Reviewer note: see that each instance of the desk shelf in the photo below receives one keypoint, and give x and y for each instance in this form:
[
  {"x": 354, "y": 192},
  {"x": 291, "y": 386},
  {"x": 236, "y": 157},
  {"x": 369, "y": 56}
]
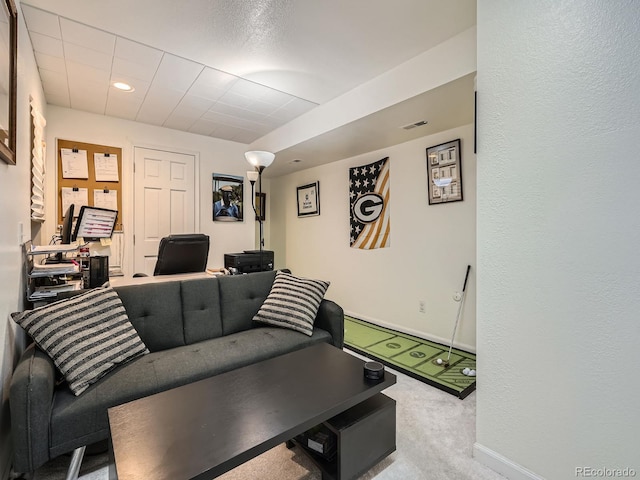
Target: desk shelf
[{"x": 44, "y": 284}]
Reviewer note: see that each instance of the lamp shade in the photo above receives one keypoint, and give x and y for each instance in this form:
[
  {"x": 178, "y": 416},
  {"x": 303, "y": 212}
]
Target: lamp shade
[
  {"x": 252, "y": 175},
  {"x": 259, "y": 159}
]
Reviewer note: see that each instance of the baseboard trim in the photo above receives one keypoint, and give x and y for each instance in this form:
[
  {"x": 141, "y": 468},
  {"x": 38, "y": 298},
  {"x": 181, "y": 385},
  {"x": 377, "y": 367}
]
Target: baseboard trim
[
  {"x": 502, "y": 465},
  {"x": 410, "y": 331}
]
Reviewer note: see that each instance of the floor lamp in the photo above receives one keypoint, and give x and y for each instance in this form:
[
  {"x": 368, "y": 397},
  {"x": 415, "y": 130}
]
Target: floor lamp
[{"x": 260, "y": 160}]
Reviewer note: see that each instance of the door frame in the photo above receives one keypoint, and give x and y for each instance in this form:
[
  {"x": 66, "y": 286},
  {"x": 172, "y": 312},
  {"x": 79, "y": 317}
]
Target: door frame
[{"x": 129, "y": 196}]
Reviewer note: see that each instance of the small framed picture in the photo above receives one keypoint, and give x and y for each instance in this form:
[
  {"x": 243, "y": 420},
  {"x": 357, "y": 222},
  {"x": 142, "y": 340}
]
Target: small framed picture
[
  {"x": 309, "y": 200},
  {"x": 261, "y": 205},
  {"x": 444, "y": 173}
]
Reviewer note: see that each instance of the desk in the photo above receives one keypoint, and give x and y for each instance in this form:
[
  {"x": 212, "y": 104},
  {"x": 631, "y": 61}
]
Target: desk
[{"x": 122, "y": 281}]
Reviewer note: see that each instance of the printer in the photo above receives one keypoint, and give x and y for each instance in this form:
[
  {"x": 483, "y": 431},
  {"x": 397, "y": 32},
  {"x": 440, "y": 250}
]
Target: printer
[{"x": 249, "y": 261}]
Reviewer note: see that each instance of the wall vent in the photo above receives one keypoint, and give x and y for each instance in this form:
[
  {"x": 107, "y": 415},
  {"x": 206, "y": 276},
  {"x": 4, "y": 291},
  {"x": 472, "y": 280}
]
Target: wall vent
[{"x": 414, "y": 125}]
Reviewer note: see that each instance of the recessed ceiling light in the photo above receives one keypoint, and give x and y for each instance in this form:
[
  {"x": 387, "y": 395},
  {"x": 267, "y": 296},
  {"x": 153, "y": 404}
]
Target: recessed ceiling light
[{"x": 125, "y": 87}]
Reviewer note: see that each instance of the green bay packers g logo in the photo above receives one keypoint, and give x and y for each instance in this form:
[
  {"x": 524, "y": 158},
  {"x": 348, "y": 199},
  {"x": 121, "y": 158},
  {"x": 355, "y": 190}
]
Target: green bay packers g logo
[{"x": 368, "y": 207}]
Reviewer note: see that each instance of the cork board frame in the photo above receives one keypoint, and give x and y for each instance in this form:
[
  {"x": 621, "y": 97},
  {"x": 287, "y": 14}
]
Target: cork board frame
[{"x": 89, "y": 183}]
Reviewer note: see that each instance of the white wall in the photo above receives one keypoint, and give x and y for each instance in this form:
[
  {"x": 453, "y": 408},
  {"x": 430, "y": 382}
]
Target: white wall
[
  {"x": 215, "y": 156},
  {"x": 558, "y": 236},
  {"x": 15, "y": 200},
  {"x": 430, "y": 245}
]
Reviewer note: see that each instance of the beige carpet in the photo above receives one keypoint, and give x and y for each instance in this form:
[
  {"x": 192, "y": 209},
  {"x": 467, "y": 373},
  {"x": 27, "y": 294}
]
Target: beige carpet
[{"x": 435, "y": 436}]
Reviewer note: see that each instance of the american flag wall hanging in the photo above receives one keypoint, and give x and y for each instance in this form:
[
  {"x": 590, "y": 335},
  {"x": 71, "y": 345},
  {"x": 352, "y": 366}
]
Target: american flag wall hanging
[{"x": 369, "y": 201}]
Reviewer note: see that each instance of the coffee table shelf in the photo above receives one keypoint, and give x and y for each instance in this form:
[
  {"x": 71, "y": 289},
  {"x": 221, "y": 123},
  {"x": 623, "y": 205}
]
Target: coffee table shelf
[
  {"x": 365, "y": 434},
  {"x": 203, "y": 429}
]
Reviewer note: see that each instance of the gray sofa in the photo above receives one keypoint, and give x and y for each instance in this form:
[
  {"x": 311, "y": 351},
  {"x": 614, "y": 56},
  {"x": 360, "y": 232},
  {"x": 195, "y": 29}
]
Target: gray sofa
[{"x": 193, "y": 329}]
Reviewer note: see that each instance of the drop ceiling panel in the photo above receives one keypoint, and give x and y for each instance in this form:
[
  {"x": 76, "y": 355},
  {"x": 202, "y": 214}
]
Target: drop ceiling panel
[
  {"x": 42, "y": 22},
  {"x": 48, "y": 62},
  {"x": 93, "y": 38},
  {"x": 80, "y": 74},
  {"x": 137, "y": 53},
  {"x": 88, "y": 102},
  {"x": 177, "y": 73},
  {"x": 133, "y": 70},
  {"x": 50, "y": 77},
  {"x": 47, "y": 45},
  {"x": 203, "y": 127},
  {"x": 216, "y": 79},
  {"x": 117, "y": 107},
  {"x": 234, "y": 70},
  {"x": 179, "y": 122},
  {"x": 193, "y": 106},
  {"x": 58, "y": 88},
  {"x": 83, "y": 55},
  {"x": 245, "y": 136}
]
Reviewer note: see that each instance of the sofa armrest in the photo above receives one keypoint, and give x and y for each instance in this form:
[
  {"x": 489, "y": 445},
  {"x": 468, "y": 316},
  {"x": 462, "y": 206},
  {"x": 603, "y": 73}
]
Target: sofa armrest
[
  {"x": 330, "y": 317},
  {"x": 30, "y": 401}
]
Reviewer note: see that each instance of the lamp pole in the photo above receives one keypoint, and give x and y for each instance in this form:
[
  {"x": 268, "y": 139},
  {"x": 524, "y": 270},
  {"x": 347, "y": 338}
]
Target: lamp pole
[
  {"x": 260, "y": 160},
  {"x": 260, "y": 213}
]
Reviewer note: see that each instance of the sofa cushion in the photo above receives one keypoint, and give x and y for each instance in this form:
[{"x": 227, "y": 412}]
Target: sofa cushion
[
  {"x": 155, "y": 310},
  {"x": 292, "y": 303},
  {"x": 85, "y": 336},
  {"x": 241, "y": 297},
  {"x": 201, "y": 309},
  {"x": 85, "y": 417}
]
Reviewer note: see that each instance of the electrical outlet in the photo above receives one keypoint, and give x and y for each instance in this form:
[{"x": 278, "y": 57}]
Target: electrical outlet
[{"x": 422, "y": 307}]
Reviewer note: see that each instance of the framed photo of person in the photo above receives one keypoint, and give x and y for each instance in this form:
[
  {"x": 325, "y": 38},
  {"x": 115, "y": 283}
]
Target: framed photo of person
[
  {"x": 444, "y": 173},
  {"x": 309, "y": 199},
  {"x": 227, "y": 198}
]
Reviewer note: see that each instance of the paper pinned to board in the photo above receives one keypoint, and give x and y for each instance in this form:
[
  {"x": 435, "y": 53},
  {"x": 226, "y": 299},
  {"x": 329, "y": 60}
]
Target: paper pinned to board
[
  {"x": 106, "y": 167},
  {"x": 78, "y": 196},
  {"x": 105, "y": 199},
  {"x": 74, "y": 163}
]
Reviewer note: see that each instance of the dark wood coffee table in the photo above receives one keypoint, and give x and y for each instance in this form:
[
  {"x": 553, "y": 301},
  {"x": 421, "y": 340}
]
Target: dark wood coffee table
[{"x": 204, "y": 429}]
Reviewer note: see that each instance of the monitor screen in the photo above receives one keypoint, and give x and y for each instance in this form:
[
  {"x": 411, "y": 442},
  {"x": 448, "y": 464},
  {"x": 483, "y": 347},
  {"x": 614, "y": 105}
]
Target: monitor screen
[
  {"x": 67, "y": 226},
  {"x": 95, "y": 223}
]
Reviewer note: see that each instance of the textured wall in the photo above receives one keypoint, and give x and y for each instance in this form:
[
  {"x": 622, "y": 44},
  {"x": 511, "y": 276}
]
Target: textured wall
[
  {"x": 15, "y": 201},
  {"x": 558, "y": 233}
]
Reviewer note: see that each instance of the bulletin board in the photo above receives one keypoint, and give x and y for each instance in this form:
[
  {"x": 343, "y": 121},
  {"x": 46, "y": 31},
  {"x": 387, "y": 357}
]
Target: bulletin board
[{"x": 97, "y": 173}]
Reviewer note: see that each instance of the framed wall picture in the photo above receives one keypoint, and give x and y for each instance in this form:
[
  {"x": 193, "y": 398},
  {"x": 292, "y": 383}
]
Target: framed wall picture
[
  {"x": 227, "y": 198},
  {"x": 444, "y": 173},
  {"x": 309, "y": 199},
  {"x": 261, "y": 205},
  {"x": 8, "y": 80}
]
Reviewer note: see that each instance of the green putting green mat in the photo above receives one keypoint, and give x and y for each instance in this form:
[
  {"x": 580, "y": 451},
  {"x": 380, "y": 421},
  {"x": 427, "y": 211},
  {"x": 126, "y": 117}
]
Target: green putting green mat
[{"x": 411, "y": 355}]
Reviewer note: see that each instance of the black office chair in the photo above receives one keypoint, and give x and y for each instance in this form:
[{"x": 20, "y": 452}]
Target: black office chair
[{"x": 185, "y": 253}]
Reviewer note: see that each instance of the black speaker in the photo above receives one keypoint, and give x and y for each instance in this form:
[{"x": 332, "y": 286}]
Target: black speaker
[
  {"x": 98, "y": 271},
  {"x": 373, "y": 371}
]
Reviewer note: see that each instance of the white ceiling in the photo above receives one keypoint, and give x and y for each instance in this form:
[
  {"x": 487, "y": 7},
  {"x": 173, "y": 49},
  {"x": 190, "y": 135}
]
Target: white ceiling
[{"x": 239, "y": 69}]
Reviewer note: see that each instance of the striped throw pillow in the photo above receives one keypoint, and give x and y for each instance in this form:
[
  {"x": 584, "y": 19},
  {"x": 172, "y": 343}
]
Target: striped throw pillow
[
  {"x": 86, "y": 335},
  {"x": 293, "y": 303}
]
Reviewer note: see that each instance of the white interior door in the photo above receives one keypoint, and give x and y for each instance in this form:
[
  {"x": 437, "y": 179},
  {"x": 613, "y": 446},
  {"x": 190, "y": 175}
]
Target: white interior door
[{"x": 164, "y": 201}]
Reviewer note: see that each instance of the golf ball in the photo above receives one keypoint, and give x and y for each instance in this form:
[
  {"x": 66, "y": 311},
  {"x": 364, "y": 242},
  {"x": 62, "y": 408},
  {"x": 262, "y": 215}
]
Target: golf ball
[
  {"x": 465, "y": 371},
  {"x": 439, "y": 361}
]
